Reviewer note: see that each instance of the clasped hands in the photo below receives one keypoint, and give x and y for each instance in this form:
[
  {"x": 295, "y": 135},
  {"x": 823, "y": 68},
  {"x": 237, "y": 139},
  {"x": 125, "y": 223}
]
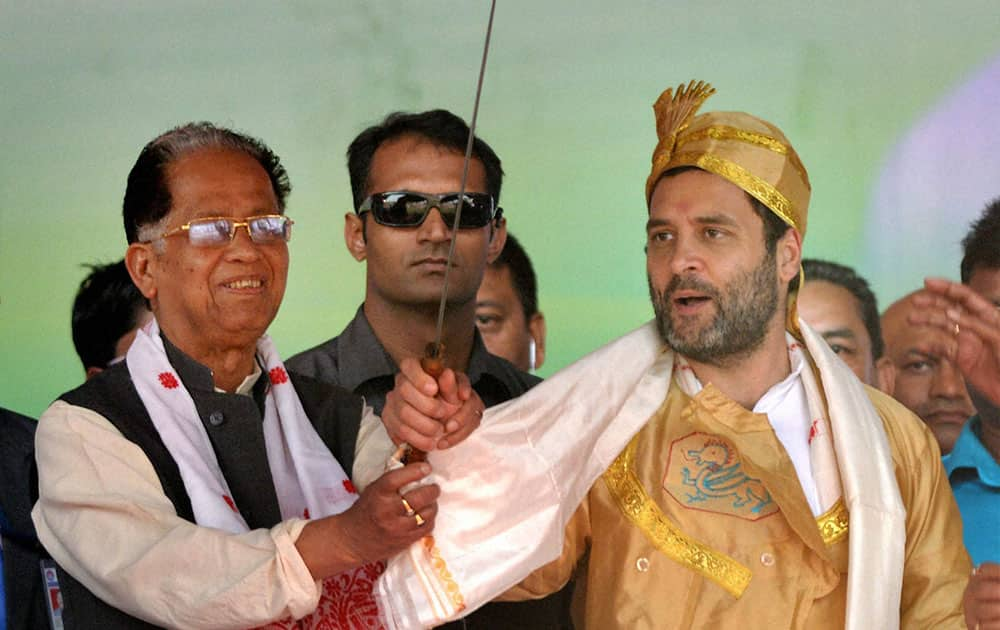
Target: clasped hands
[
  {"x": 399, "y": 507},
  {"x": 431, "y": 413}
]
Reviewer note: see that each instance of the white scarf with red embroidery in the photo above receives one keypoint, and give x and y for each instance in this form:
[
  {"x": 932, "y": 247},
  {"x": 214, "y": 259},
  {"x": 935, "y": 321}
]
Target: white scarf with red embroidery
[{"x": 308, "y": 479}]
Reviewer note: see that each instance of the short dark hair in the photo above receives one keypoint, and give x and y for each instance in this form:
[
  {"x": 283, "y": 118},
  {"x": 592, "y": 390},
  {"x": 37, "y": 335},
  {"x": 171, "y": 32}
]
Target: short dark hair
[
  {"x": 147, "y": 196},
  {"x": 774, "y": 226},
  {"x": 438, "y": 126},
  {"x": 522, "y": 274},
  {"x": 846, "y": 277},
  {"x": 106, "y": 307},
  {"x": 981, "y": 246}
]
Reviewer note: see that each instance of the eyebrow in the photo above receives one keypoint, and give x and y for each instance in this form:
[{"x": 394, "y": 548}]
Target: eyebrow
[
  {"x": 655, "y": 223},
  {"x": 915, "y": 353},
  {"x": 839, "y": 332},
  {"x": 711, "y": 219},
  {"x": 488, "y": 304},
  {"x": 720, "y": 219}
]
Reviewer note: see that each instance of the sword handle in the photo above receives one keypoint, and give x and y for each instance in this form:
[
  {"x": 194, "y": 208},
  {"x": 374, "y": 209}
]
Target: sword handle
[
  {"x": 432, "y": 363},
  {"x": 414, "y": 455},
  {"x": 433, "y": 360}
]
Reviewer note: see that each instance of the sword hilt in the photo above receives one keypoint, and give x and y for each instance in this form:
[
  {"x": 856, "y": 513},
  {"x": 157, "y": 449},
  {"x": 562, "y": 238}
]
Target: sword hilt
[
  {"x": 432, "y": 363},
  {"x": 433, "y": 360}
]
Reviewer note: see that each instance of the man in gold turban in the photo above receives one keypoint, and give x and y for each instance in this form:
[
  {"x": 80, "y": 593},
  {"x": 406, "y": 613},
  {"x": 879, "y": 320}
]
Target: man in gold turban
[{"x": 722, "y": 466}]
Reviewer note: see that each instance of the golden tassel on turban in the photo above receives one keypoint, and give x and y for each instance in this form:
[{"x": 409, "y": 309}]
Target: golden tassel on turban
[{"x": 749, "y": 152}]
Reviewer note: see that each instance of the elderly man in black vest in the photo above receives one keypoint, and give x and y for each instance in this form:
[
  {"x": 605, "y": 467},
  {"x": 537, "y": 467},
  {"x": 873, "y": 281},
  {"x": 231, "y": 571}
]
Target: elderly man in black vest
[{"x": 199, "y": 483}]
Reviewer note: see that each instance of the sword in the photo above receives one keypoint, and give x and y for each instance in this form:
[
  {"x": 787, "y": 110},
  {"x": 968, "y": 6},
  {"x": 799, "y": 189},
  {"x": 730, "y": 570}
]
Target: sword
[{"x": 433, "y": 359}]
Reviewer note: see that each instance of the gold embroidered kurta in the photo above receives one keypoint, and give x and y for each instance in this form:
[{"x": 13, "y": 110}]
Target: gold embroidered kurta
[{"x": 701, "y": 522}]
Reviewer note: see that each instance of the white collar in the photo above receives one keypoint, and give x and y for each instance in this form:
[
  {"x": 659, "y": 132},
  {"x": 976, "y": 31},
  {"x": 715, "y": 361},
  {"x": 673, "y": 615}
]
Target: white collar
[{"x": 246, "y": 387}]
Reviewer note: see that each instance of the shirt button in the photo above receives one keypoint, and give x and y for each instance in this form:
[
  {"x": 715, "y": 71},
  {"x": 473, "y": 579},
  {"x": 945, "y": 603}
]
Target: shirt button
[
  {"x": 642, "y": 565},
  {"x": 766, "y": 559},
  {"x": 216, "y": 418}
]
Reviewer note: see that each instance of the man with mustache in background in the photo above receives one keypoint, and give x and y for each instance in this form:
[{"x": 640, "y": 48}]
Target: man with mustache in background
[{"x": 927, "y": 382}]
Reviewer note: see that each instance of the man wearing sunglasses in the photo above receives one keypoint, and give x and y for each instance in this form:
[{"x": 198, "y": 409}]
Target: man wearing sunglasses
[
  {"x": 405, "y": 176},
  {"x": 198, "y": 483}
]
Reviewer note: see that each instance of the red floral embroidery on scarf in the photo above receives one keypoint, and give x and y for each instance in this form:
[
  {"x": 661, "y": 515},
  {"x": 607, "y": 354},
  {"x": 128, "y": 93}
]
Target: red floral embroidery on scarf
[
  {"x": 168, "y": 380},
  {"x": 350, "y": 486},
  {"x": 346, "y": 603},
  {"x": 229, "y": 501},
  {"x": 813, "y": 430},
  {"x": 305, "y": 514},
  {"x": 278, "y": 375}
]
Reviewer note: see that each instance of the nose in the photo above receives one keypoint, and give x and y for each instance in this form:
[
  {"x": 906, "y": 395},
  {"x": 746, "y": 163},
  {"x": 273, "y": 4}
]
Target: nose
[
  {"x": 242, "y": 246},
  {"x": 433, "y": 228},
  {"x": 948, "y": 381},
  {"x": 685, "y": 256}
]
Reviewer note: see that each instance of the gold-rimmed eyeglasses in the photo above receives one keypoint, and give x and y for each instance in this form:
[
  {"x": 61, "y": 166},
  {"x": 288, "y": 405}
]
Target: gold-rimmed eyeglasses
[{"x": 217, "y": 231}]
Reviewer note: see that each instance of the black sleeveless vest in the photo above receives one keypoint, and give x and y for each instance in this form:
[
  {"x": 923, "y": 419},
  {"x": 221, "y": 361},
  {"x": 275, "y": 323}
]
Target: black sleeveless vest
[{"x": 333, "y": 411}]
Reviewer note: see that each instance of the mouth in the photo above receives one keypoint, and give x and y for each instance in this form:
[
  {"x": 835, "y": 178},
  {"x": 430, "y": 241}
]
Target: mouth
[
  {"x": 433, "y": 263},
  {"x": 688, "y": 302},
  {"x": 244, "y": 284},
  {"x": 948, "y": 417}
]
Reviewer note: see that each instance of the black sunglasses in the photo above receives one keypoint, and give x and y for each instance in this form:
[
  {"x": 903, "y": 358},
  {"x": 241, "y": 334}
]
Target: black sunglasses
[{"x": 409, "y": 209}]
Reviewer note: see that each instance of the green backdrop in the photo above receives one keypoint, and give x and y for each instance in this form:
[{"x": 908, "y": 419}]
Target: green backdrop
[{"x": 566, "y": 104}]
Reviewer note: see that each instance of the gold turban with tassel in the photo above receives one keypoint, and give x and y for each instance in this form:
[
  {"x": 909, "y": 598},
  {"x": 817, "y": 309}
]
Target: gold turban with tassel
[{"x": 749, "y": 152}]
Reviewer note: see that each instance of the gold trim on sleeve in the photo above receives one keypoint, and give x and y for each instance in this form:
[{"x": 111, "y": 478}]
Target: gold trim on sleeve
[
  {"x": 833, "y": 523},
  {"x": 636, "y": 504}
]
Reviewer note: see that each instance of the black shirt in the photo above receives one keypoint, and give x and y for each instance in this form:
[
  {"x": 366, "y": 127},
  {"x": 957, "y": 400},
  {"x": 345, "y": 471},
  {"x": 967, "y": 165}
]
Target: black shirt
[{"x": 234, "y": 424}]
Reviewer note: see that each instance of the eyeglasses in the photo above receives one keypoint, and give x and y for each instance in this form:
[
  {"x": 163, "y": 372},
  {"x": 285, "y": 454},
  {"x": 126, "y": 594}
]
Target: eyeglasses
[
  {"x": 218, "y": 231},
  {"x": 409, "y": 209}
]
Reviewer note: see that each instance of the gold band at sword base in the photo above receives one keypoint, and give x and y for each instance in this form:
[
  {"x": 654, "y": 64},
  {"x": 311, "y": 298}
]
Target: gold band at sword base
[{"x": 627, "y": 490}]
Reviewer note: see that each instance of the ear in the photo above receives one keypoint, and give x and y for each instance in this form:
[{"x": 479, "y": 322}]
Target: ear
[
  {"x": 498, "y": 238},
  {"x": 93, "y": 371},
  {"x": 789, "y": 254},
  {"x": 536, "y": 327},
  {"x": 354, "y": 236},
  {"x": 885, "y": 375},
  {"x": 140, "y": 260}
]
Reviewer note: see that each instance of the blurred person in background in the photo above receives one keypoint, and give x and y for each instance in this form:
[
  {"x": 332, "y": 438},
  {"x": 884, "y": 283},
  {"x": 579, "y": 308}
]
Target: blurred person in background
[{"x": 507, "y": 309}]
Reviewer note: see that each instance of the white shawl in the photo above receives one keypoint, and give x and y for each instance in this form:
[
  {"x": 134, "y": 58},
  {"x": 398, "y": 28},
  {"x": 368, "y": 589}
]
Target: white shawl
[{"x": 509, "y": 490}]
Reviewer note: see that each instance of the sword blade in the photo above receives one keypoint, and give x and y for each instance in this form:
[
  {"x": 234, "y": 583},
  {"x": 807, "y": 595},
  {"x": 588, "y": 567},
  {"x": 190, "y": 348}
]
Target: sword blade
[
  {"x": 439, "y": 331},
  {"x": 433, "y": 361}
]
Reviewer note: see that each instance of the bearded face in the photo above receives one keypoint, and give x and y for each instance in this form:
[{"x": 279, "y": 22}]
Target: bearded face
[{"x": 742, "y": 309}]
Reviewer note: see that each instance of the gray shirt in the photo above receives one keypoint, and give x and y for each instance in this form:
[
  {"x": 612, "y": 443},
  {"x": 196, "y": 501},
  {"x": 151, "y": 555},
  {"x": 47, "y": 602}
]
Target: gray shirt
[{"x": 357, "y": 361}]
